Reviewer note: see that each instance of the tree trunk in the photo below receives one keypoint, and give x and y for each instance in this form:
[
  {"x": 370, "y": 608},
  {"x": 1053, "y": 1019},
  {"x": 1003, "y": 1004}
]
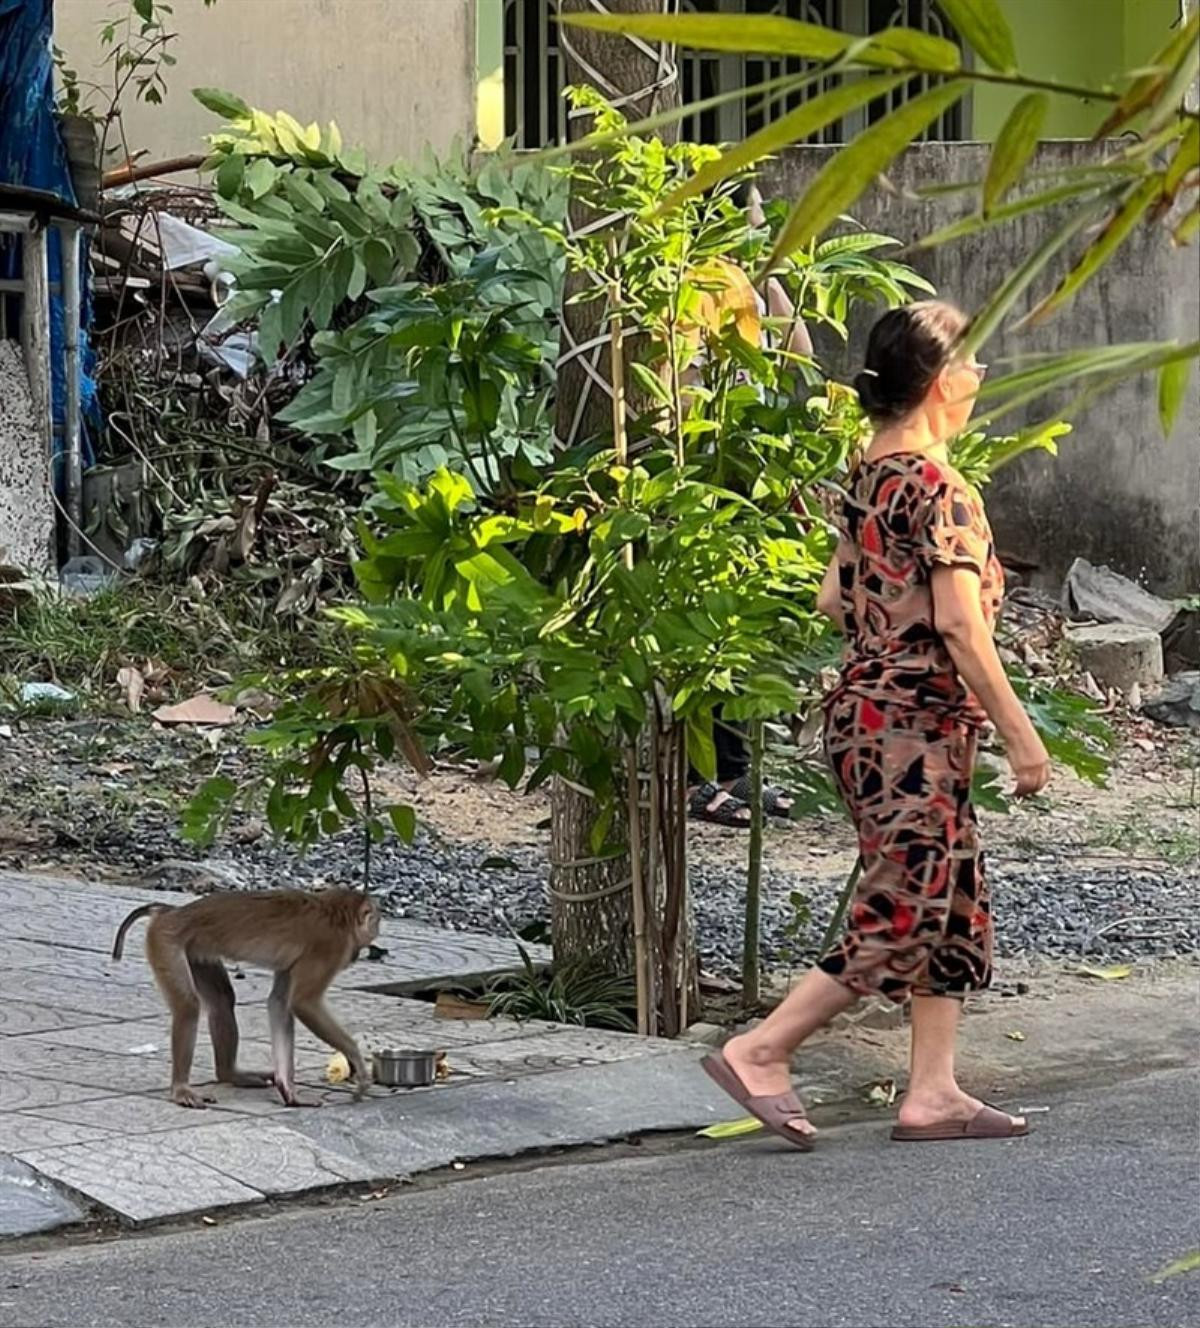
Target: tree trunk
[
  {"x": 637, "y": 85},
  {"x": 599, "y": 924}
]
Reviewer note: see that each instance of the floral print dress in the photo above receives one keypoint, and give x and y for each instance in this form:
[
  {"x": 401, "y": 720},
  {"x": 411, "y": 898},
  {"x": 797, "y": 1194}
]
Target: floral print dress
[{"x": 901, "y": 733}]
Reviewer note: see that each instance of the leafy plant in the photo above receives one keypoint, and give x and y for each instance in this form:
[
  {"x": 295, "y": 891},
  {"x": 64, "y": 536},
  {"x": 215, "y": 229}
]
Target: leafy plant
[
  {"x": 573, "y": 993},
  {"x": 1104, "y": 202}
]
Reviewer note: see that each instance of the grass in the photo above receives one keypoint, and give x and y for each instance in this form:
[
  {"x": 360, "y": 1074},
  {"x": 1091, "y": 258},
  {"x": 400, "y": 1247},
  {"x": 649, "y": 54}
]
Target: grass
[
  {"x": 1137, "y": 833},
  {"x": 81, "y": 644}
]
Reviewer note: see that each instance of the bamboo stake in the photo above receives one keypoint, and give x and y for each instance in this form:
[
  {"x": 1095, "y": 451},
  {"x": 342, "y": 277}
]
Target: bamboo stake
[
  {"x": 751, "y": 931},
  {"x": 643, "y": 980},
  {"x": 843, "y": 903}
]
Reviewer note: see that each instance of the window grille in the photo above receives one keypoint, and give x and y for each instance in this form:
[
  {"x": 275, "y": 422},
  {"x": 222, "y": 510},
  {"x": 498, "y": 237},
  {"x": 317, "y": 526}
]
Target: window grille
[{"x": 534, "y": 74}]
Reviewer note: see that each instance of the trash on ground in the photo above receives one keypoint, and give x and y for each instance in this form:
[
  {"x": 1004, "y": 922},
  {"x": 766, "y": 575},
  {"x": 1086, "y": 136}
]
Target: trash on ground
[
  {"x": 1015, "y": 1035},
  {"x": 881, "y": 1093},
  {"x": 45, "y": 693},
  {"x": 198, "y": 709},
  {"x": 1113, "y": 973},
  {"x": 338, "y": 1069},
  {"x": 731, "y": 1129}
]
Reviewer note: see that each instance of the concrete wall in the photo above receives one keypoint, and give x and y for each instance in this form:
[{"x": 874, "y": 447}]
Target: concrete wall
[
  {"x": 394, "y": 74},
  {"x": 1087, "y": 42},
  {"x": 1117, "y": 493},
  {"x": 26, "y": 508}
]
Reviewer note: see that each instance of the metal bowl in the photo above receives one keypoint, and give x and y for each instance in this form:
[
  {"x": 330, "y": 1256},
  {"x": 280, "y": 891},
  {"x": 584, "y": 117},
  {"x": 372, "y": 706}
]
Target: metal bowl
[{"x": 405, "y": 1069}]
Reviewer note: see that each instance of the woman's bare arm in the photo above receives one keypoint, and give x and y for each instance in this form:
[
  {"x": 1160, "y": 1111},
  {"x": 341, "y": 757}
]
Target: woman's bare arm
[
  {"x": 958, "y": 618},
  {"x": 829, "y": 597}
]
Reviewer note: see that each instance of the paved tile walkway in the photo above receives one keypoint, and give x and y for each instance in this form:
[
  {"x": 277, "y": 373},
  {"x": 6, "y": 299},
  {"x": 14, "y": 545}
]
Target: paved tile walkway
[{"x": 84, "y": 1058}]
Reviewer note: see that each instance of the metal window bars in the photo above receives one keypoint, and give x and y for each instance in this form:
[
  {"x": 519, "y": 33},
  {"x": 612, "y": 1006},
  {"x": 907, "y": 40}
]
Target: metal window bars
[{"x": 535, "y": 114}]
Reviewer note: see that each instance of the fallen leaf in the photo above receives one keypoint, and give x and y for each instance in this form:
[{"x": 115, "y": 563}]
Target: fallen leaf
[
  {"x": 450, "y": 1006},
  {"x": 731, "y": 1129},
  {"x": 199, "y": 709},
  {"x": 1188, "y": 1263},
  {"x": 1114, "y": 973},
  {"x": 209, "y": 1221},
  {"x": 133, "y": 683},
  {"x": 1015, "y": 1035},
  {"x": 338, "y": 1069}
]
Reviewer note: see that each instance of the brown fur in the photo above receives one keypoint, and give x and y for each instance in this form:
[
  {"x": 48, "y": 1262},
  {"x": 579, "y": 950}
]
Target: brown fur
[{"x": 305, "y": 939}]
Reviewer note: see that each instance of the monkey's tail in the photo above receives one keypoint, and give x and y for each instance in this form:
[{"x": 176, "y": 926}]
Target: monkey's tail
[{"x": 143, "y": 912}]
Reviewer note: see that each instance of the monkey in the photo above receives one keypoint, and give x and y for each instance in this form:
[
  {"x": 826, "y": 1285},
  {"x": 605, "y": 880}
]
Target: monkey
[{"x": 305, "y": 939}]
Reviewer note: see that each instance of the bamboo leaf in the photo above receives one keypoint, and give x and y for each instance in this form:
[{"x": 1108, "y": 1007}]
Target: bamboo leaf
[
  {"x": 1186, "y": 231},
  {"x": 764, "y": 34},
  {"x": 981, "y": 23},
  {"x": 989, "y": 318},
  {"x": 1114, "y": 973},
  {"x": 849, "y": 172},
  {"x": 972, "y": 225},
  {"x": 806, "y": 119},
  {"x": 1145, "y": 89},
  {"x": 1187, "y": 1263},
  {"x": 922, "y": 49},
  {"x": 1015, "y": 144},
  {"x": 1101, "y": 249},
  {"x": 773, "y": 35},
  {"x": 1185, "y": 160},
  {"x": 732, "y": 1129},
  {"x": 1172, "y": 388},
  {"x": 1183, "y": 74}
]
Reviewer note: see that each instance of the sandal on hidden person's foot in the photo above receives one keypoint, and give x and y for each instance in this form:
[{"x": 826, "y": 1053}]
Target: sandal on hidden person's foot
[
  {"x": 987, "y": 1123},
  {"x": 773, "y": 797},
  {"x": 729, "y": 812},
  {"x": 774, "y": 1110}
]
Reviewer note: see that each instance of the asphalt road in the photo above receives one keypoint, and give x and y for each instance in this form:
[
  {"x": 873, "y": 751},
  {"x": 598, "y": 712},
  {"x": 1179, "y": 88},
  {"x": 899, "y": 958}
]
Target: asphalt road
[{"x": 1065, "y": 1227}]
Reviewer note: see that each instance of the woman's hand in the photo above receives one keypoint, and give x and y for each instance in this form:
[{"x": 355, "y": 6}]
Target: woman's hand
[{"x": 1030, "y": 765}]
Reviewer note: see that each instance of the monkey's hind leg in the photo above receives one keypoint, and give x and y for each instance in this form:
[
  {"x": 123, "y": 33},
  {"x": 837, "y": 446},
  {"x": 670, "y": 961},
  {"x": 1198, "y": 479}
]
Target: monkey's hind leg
[
  {"x": 174, "y": 978},
  {"x": 216, "y": 993}
]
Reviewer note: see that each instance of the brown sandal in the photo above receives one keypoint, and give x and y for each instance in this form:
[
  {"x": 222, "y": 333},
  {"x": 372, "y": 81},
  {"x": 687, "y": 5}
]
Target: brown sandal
[
  {"x": 774, "y": 1110},
  {"x": 987, "y": 1123}
]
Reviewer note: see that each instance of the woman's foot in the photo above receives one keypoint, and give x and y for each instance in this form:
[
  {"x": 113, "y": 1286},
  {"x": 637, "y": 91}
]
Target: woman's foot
[
  {"x": 762, "y": 1074},
  {"x": 710, "y": 802},
  {"x": 936, "y": 1108}
]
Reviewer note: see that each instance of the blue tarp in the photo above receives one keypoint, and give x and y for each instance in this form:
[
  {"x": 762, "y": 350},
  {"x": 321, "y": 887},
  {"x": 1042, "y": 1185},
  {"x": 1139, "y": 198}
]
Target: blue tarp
[{"x": 32, "y": 155}]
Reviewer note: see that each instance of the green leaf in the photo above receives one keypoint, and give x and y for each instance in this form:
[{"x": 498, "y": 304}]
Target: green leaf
[
  {"x": 806, "y": 119},
  {"x": 1187, "y": 1263},
  {"x": 260, "y": 177},
  {"x": 229, "y": 175},
  {"x": 1185, "y": 160},
  {"x": 776, "y": 36},
  {"x": 1015, "y": 144},
  {"x": 988, "y": 319},
  {"x": 224, "y": 104},
  {"x": 1172, "y": 388},
  {"x": 982, "y": 25},
  {"x": 972, "y": 225},
  {"x": 766, "y": 34},
  {"x": 733, "y": 1129},
  {"x": 1113, "y": 973},
  {"x": 702, "y": 751},
  {"x": 404, "y": 822},
  {"x": 849, "y": 172},
  {"x": 1106, "y": 244}
]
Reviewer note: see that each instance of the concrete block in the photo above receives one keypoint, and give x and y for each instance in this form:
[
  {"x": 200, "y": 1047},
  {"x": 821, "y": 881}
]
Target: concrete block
[{"x": 1118, "y": 655}]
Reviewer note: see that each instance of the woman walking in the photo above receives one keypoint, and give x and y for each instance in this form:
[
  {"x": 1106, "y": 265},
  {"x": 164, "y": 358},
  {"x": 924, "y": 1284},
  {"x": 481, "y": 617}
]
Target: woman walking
[{"x": 915, "y": 587}]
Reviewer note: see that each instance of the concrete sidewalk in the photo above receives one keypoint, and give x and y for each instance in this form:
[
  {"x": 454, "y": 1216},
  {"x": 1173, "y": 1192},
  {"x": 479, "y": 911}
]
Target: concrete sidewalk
[
  {"x": 84, "y": 1065},
  {"x": 87, "y": 1129}
]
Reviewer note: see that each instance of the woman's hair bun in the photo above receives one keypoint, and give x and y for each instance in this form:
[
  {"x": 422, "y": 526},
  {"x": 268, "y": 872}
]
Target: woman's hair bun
[{"x": 906, "y": 350}]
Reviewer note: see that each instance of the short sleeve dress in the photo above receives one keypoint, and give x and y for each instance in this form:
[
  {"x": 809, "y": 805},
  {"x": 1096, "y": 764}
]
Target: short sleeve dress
[{"x": 901, "y": 734}]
